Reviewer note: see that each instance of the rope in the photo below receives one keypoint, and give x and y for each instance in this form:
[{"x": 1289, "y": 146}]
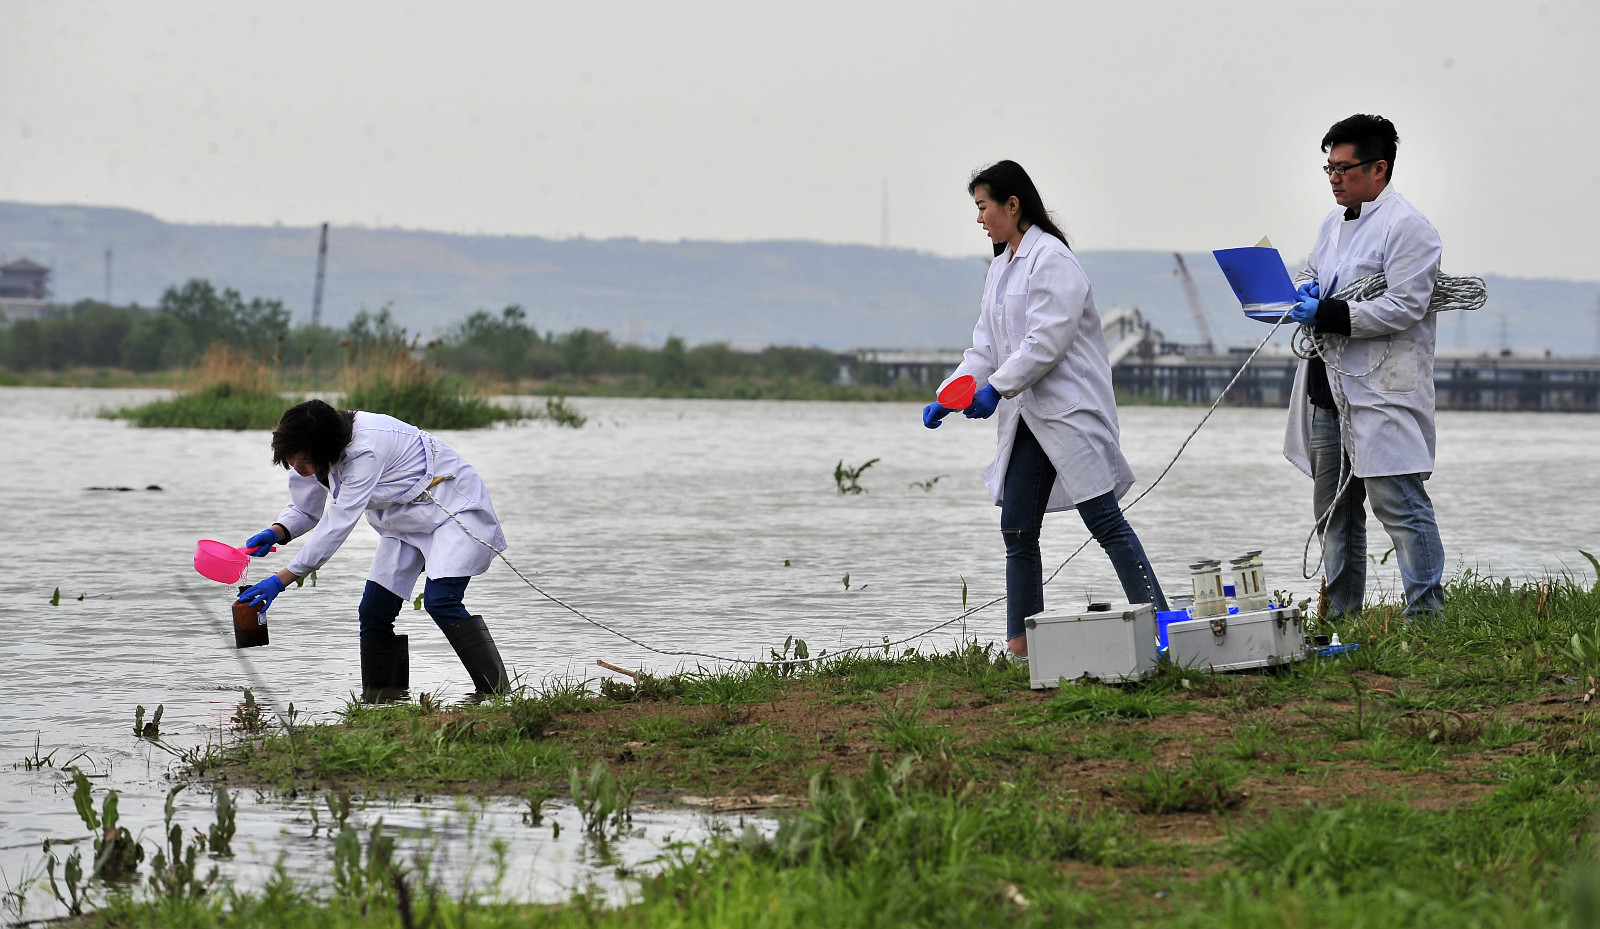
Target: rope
[
  {"x": 426, "y": 497},
  {"x": 1450, "y": 292}
]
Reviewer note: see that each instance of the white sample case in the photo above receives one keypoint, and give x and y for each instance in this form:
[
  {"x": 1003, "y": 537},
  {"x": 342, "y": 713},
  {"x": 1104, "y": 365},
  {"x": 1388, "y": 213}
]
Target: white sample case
[
  {"x": 1114, "y": 644},
  {"x": 1258, "y": 639}
]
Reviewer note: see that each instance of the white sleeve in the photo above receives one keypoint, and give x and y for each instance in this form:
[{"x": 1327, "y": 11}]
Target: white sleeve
[
  {"x": 1410, "y": 270},
  {"x": 360, "y": 477},
  {"x": 1057, "y": 293},
  {"x": 306, "y": 499}
]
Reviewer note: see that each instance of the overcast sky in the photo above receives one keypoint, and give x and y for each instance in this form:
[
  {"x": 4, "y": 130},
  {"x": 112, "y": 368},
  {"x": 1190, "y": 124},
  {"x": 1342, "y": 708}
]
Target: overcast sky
[{"x": 1146, "y": 125}]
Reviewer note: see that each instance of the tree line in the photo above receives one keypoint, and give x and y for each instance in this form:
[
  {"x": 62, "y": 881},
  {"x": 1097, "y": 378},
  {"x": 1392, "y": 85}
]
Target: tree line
[{"x": 192, "y": 317}]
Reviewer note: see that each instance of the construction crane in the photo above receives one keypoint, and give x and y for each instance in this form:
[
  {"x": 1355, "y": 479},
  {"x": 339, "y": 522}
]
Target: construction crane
[
  {"x": 322, "y": 271},
  {"x": 1195, "y": 306}
]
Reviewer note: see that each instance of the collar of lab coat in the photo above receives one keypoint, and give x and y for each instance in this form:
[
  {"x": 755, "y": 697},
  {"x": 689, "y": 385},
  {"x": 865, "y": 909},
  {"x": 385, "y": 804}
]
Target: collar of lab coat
[
  {"x": 1376, "y": 202},
  {"x": 1028, "y": 238}
]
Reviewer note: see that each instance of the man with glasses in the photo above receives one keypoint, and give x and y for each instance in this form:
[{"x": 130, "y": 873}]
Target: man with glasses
[{"x": 1361, "y": 419}]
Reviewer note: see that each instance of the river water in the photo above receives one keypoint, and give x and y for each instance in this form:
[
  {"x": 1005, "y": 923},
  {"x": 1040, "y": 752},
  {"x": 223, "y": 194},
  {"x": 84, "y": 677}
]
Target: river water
[{"x": 706, "y": 526}]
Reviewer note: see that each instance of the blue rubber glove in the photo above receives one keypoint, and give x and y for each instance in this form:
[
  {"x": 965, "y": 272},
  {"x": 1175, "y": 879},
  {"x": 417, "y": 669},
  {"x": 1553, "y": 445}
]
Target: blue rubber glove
[
  {"x": 263, "y": 593},
  {"x": 983, "y": 403},
  {"x": 933, "y": 412},
  {"x": 1309, "y": 289},
  {"x": 1305, "y": 311},
  {"x": 262, "y": 542}
]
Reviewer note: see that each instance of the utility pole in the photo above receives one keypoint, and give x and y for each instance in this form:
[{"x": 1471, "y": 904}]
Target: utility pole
[
  {"x": 1505, "y": 333},
  {"x": 883, "y": 228},
  {"x": 322, "y": 271},
  {"x": 1597, "y": 326},
  {"x": 108, "y": 275}
]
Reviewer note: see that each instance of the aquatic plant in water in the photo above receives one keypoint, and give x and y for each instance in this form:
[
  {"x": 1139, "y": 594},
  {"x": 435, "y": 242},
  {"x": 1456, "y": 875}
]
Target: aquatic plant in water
[
  {"x": 848, "y": 479},
  {"x": 603, "y": 800},
  {"x": 562, "y": 413},
  {"x": 173, "y": 867},
  {"x": 151, "y": 729},
  {"x": 116, "y": 852}
]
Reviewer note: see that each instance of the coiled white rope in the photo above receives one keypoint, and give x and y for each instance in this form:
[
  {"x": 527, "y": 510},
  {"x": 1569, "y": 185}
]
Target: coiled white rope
[{"x": 1450, "y": 292}]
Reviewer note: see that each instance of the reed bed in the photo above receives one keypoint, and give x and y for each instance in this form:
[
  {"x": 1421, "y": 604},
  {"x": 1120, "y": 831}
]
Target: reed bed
[
  {"x": 226, "y": 389},
  {"x": 230, "y": 389},
  {"x": 390, "y": 379}
]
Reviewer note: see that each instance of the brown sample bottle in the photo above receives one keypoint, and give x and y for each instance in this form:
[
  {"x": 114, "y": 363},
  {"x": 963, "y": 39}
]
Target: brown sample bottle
[{"x": 249, "y": 626}]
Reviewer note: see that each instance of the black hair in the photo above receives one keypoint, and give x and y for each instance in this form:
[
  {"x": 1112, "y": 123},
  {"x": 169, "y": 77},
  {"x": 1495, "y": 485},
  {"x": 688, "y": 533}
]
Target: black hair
[
  {"x": 1373, "y": 137},
  {"x": 315, "y": 429},
  {"x": 1006, "y": 179}
]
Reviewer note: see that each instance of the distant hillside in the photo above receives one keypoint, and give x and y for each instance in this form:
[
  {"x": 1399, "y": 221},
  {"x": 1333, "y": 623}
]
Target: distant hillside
[{"x": 746, "y": 293}]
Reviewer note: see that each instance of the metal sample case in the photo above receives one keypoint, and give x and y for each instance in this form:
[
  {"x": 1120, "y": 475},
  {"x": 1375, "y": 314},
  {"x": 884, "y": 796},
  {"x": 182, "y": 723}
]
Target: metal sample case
[
  {"x": 1257, "y": 639},
  {"x": 1111, "y": 642}
]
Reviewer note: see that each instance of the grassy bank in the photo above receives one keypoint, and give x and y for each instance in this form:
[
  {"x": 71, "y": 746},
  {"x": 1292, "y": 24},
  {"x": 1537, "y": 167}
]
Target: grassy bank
[
  {"x": 226, "y": 390},
  {"x": 1441, "y": 775},
  {"x": 230, "y": 390},
  {"x": 391, "y": 381}
]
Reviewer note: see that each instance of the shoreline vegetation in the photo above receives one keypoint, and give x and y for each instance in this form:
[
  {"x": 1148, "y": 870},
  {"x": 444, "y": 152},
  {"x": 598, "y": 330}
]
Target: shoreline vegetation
[
  {"x": 230, "y": 390},
  {"x": 486, "y": 354},
  {"x": 1442, "y": 774}
]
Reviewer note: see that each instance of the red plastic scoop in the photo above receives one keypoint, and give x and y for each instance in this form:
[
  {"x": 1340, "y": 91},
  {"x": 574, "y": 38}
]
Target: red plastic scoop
[{"x": 957, "y": 395}]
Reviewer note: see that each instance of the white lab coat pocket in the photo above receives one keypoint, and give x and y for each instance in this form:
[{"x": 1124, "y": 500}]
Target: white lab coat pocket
[
  {"x": 1399, "y": 372},
  {"x": 1056, "y": 392}
]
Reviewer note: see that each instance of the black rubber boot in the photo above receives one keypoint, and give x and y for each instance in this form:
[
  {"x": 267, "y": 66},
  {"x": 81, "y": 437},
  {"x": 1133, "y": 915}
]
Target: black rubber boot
[
  {"x": 475, "y": 647},
  {"x": 385, "y": 669}
]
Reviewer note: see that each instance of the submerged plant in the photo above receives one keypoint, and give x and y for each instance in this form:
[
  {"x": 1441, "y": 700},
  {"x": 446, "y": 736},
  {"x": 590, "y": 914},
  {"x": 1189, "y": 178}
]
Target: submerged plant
[
  {"x": 247, "y": 716},
  {"x": 602, "y": 800},
  {"x": 562, "y": 413},
  {"x": 357, "y": 879},
  {"x": 173, "y": 867},
  {"x": 848, "y": 479},
  {"x": 151, "y": 729},
  {"x": 116, "y": 852}
]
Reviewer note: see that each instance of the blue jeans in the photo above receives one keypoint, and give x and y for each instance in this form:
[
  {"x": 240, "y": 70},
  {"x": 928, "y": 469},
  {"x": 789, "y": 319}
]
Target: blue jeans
[
  {"x": 1401, "y": 503},
  {"x": 441, "y": 597},
  {"x": 1029, "y": 478}
]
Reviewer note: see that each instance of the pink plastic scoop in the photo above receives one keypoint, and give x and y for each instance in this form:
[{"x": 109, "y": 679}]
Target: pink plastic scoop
[
  {"x": 957, "y": 395},
  {"x": 220, "y": 562}
]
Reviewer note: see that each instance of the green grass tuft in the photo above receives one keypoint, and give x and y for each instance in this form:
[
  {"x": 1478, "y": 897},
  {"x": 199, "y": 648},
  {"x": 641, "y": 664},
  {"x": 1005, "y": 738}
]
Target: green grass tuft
[{"x": 221, "y": 406}]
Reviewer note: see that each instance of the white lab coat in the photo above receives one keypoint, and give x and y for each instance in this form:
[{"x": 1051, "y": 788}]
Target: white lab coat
[
  {"x": 1039, "y": 343},
  {"x": 385, "y": 473},
  {"x": 1391, "y": 410}
]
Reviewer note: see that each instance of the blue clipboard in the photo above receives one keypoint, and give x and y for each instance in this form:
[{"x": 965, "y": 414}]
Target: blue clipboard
[{"x": 1259, "y": 280}]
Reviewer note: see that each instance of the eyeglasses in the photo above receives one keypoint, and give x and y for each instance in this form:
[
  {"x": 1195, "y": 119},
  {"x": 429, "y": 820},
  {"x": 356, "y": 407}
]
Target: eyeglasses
[{"x": 1331, "y": 170}]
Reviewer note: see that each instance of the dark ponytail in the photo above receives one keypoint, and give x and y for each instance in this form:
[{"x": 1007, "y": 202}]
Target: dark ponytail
[
  {"x": 1006, "y": 179},
  {"x": 315, "y": 429}
]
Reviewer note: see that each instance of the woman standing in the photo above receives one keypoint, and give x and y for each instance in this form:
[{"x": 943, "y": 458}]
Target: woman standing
[
  {"x": 1039, "y": 353},
  {"x": 346, "y": 463}
]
